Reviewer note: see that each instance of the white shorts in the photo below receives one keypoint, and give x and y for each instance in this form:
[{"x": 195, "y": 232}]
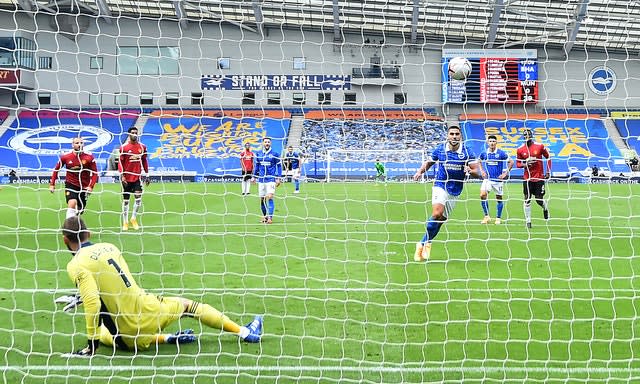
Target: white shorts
[
  {"x": 295, "y": 173},
  {"x": 489, "y": 185},
  {"x": 442, "y": 197},
  {"x": 265, "y": 189}
]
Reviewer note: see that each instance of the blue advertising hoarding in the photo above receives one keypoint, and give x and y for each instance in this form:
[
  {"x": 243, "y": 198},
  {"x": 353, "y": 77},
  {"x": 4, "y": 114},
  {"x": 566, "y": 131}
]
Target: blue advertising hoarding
[
  {"x": 207, "y": 145},
  {"x": 574, "y": 144},
  {"x": 35, "y": 140}
]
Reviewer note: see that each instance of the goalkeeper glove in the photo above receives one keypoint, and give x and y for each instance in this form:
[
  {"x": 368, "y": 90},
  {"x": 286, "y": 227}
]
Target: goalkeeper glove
[
  {"x": 181, "y": 337},
  {"x": 87, "y": 351},
  {"x": 71, "y": 301}
]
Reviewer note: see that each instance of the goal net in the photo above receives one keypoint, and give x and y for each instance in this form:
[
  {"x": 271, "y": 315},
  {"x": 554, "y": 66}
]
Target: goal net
[
  {"x": 330, "y": 265},
  {"x": 360, "y": 165}
]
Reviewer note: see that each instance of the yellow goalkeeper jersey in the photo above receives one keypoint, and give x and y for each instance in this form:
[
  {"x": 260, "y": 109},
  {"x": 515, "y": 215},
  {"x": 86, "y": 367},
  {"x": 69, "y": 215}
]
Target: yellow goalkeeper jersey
[{"x": 103, "y": 279}]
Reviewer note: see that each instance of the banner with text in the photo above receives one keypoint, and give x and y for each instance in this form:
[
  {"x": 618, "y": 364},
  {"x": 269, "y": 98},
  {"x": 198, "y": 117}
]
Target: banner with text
[
  {"x": 574, "y": 144},
  {"x": 207, "y": 145},
  {"x": 276, "y": 82},
  {"x": 35, "y": 140}
]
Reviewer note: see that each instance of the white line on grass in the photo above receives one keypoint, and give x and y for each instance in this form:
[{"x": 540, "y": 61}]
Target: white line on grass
[
  {"x": 408, "y": 288},
  {"x": 319, "y": 369}
]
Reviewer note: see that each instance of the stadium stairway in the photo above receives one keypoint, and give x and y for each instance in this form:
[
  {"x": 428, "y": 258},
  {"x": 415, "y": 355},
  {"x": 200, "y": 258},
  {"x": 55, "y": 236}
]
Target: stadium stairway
[
  {"x": 141, "y": 122},
  {"x": 7, "y": 122},
  {"x": 614, "y": 135},
  {"x": 295, "y": 131}
]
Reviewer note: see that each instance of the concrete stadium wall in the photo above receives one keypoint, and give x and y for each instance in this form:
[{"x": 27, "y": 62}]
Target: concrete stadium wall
[{"x": 71, "y": 80}]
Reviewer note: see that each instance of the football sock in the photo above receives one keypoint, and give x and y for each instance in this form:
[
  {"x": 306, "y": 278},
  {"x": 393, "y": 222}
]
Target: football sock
[
  {"x": 136, "y": 207},
  {"x": 272, "y": 207},
  {"x": 433, "y": 227},
  {"x": 211, "y": 317},
  {"x": 485, "y": 207},
  {"x": 263, "y": 206},
  {"x": 527, "y": 211},
  {"x": 500, "y": 206},
  {"x": 71, "y": 212},
  {"x": 125, "y": 211},
  {"x": 296, "y": 182}
]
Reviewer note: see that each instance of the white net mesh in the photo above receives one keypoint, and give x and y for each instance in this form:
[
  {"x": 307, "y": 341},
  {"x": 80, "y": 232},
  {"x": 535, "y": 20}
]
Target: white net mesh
[{"x": 346, "y": 84}]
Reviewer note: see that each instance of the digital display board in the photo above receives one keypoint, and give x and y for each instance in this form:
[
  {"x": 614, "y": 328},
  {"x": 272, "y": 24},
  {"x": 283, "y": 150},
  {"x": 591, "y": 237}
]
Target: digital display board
[{"x": 497, "y": 76}]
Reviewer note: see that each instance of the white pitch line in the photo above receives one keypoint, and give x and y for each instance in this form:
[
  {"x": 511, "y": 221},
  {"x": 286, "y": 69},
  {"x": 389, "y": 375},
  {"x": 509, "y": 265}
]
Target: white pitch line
[
  {"x": 409, "y": 288},
  {"x": 319, "y": 369}
]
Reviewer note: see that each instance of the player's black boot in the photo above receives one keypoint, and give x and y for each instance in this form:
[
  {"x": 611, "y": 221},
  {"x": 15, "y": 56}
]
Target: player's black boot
[{"x": 546, "y": 214}]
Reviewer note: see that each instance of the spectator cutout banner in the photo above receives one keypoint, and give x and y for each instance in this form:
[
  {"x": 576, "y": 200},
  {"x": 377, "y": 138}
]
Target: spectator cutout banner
[
  {"x": 207, "y": 145},
  {"x": 574, "y": 144}
]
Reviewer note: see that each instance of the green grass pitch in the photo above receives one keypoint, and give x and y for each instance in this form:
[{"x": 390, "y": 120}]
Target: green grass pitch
[{"x": 343, "y": 300}]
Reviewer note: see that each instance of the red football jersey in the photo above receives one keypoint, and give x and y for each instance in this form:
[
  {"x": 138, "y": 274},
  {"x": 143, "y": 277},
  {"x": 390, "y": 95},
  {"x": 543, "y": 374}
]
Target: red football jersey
[
  {"x": 82, "y": 171},
  {"x": 133, "y": 159},
  {"x": 535, "y": 170},
  {"x": 246, "y": 160}
]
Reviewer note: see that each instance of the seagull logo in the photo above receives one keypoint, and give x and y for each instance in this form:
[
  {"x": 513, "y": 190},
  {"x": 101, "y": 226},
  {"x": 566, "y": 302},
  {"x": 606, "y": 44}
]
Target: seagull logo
[
  {"x": 213, "y": 82},
  {"x": 56, "y": 139},
  {"x": 602, "y": 80},
  {"x": 337, "y": 83}
]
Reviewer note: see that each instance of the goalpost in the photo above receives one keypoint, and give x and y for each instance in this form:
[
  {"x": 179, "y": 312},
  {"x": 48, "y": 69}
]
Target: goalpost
[
  {"x": 359, "y": 164},
  {"x": 343, "y": 301}
]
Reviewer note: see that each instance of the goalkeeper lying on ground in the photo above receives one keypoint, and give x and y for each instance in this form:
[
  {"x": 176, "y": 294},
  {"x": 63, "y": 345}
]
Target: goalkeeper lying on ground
[{"x": 118, "y": 311}]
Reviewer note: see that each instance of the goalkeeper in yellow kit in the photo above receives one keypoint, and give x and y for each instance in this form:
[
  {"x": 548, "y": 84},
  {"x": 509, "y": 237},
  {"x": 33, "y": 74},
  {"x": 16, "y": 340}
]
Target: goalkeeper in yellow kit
[{"x": 118, "y": 311}]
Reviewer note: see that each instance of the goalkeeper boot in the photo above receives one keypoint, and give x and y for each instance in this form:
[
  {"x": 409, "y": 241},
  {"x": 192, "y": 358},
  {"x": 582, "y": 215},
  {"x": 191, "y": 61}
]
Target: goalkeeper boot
[
  {"x": 269, "y": 220},
  {"x": 486, "y": 220},
  {"x": 264, "y": 219},
  {"x": 125, "y": 226},
  {"x": 134, "y": 224},
  {"x": 528, "y": 225},
  {"x": 255, "y": 330},
  {"x": 546, "y": 214},
  {"x": 498, "y": 221},
  {"x": 181, "y": 337}
]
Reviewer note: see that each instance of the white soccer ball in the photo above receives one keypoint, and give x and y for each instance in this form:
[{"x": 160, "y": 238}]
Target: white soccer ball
[{"x": 459, "y": 68}]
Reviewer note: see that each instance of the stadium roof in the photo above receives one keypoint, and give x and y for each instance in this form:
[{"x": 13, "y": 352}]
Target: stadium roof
[{"x": 594, "y": 24}]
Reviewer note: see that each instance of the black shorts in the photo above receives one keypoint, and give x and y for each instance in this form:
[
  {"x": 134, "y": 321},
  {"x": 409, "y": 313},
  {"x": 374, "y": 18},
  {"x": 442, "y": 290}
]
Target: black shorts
[
  {"x": 533, "y": 188},
  {"x": 247, "y": 175},
  {"x": 73, "y": 192},
  {"x": 131, "y": 187}
]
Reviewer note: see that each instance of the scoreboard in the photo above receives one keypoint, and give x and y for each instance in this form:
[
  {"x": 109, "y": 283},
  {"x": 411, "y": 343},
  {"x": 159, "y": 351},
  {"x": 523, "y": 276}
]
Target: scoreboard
[{"x": 497, "y": 76}]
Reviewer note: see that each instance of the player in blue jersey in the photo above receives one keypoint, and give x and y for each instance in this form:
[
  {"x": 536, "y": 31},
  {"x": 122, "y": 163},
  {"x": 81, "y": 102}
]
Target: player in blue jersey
[
  {"x": 495, "y": 160},
  {"x": 292, "y": 162},
  {"x": 454, "y": 162},
  {"x": 268, "y": 174}
]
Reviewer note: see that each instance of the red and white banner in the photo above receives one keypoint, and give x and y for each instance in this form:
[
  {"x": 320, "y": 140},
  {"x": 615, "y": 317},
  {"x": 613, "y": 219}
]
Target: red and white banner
[{"x": 9, "y": 76}]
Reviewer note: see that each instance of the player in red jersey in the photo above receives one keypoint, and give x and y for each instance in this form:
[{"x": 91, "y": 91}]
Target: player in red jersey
[
  {"x": 529, "y": 157},
  {"x": 246, "y": 162},
  {"x": 133, "y": 160},
  {"x": 82, "y": 176}
]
